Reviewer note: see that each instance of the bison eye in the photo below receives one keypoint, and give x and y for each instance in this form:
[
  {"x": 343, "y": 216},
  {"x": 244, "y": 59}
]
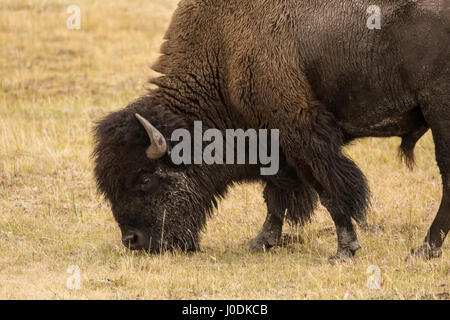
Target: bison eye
[{"x": 148, "y": 183}]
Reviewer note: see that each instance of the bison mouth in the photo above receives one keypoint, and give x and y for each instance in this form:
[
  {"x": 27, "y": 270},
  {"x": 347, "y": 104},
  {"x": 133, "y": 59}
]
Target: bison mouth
[{"x": 135, "y": 239}]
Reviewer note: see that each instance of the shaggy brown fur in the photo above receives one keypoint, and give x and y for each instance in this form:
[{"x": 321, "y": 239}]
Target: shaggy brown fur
[{"x": 309, "y": 68}]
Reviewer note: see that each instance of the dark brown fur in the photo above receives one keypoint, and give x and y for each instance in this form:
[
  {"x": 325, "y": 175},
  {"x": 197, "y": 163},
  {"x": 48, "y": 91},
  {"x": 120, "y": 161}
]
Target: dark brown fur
[{"x": 309, "y": 68}]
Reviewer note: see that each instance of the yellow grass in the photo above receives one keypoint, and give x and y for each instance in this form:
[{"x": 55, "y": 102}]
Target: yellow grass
[{"x": 55, "y": 82}]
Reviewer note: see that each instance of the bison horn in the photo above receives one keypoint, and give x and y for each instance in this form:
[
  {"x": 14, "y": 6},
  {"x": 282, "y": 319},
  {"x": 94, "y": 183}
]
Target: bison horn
[{"x": 158, "y": 145}]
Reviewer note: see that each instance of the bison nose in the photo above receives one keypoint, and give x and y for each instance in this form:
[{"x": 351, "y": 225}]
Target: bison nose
[{"x": 134, "y": 240}]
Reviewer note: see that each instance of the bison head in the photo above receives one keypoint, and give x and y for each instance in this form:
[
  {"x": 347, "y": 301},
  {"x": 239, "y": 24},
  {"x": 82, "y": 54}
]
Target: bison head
[{"x": 157, "y": 205}]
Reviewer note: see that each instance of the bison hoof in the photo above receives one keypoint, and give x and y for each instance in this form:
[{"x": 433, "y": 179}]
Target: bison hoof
[
  {"x": 263, "y": 243},
  {"x": 346, "y": 253},
  {"x": 426, "y": 252}
]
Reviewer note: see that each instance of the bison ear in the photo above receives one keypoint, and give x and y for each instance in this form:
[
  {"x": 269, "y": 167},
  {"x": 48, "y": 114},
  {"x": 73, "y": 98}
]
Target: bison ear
[{"x": 158, "y": 144}]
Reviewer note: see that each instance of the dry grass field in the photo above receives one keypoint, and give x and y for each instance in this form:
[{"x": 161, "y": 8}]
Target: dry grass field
[{"x": 55, "y": 82}]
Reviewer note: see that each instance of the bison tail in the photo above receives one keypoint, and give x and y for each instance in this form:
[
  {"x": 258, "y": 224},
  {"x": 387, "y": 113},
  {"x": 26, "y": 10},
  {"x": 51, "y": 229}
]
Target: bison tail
[{"x": 409, "y": 141}]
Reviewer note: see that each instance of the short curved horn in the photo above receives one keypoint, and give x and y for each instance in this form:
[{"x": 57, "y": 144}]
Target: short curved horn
[{"x": 158, "y": 144}]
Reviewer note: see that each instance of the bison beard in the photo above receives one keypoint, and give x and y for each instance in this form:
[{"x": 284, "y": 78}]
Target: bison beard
[{"x": 288, "y": 70}]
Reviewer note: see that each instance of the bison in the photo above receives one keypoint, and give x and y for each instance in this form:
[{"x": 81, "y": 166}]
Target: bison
[{"x": 313, "y": 69}]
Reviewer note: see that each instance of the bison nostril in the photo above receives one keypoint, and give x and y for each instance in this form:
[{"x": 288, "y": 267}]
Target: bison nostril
[
  {"x": 129, "y": 239},
  {"x": 134, "y": 240}
]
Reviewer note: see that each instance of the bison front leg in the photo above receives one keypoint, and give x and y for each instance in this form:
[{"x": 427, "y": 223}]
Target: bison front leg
[
  {"x": 276, "y": 94},
  {"x": 312, "y": 144},
  {"x": 348, "y": 242},
  {"x": 270, "y": 234},
  {"x": 350, "y": 201},
  {"x": 287, "y": 198}
]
